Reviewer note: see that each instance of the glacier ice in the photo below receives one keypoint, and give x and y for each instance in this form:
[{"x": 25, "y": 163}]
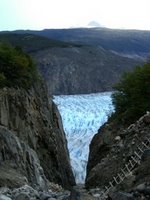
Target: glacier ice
[{"x": 82, "y": 116}]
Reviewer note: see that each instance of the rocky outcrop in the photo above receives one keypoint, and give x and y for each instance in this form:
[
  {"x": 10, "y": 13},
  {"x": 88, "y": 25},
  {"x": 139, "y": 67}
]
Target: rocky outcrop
[
  {"x": 111, "y": 149},
  {"x": 33, "y": 147}
]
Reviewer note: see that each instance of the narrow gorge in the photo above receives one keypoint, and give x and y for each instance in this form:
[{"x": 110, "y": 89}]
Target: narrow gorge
[{"x": 62, "y": 137}]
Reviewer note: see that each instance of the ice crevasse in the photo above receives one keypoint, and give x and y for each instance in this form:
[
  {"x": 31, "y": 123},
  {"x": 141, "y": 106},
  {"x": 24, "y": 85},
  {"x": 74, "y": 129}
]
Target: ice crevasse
[{"x": 82, "y": 116}]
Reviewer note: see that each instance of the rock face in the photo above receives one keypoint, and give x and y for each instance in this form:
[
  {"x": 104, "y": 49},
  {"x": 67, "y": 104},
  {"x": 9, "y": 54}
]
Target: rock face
[
  {"x": 33, "y": 147},
  {"x": 81, "y": 69},
  {"x": 112, "y": 148}
]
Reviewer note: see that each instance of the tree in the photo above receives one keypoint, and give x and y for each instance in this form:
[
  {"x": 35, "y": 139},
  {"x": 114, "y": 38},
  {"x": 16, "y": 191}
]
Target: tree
[
  {"x": 132, "y": 97},
  {"x": 16, "y": 68}
]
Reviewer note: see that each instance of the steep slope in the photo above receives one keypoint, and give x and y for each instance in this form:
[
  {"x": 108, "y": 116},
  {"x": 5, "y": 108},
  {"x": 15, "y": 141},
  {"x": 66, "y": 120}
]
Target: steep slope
[
  {"x": 115, "y": 146},
  {"x": 80, "y": 70},
  {"x": 33, "y": 148}
]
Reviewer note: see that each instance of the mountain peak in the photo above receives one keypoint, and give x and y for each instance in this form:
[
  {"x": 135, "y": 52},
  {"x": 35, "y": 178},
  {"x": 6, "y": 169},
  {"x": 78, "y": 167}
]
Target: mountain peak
[{"x": 94, "y": 24}]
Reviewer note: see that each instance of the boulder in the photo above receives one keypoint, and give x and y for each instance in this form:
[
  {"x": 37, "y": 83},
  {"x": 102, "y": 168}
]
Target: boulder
[
  {"x": 22, "y": 196},
  {"x": 45, "y": 196},
  {"x": 3, "y": 197},
  {"x": 123, "y": 196},
  {"x": 146, "y": 155}
]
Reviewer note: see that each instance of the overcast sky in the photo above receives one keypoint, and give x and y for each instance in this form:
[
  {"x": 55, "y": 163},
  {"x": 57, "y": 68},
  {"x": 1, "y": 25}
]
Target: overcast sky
[{"x": 41, "y": 14}]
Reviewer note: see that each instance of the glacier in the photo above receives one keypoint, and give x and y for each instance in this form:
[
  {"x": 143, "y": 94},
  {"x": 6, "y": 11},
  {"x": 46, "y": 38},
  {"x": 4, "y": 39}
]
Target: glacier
[{"x": 82, "y": 116}]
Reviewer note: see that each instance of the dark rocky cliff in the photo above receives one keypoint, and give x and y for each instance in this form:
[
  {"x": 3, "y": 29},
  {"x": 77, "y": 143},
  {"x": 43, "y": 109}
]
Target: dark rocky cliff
[
  {"x": 33, "y": 147},
  {"x": 112, "y": 148},
  {"x": 81, "y": 70}
]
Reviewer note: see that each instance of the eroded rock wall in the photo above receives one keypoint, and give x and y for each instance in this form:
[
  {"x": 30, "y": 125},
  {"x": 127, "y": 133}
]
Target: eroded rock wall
[
  {"x": 112, "y": 148},
  {"x": 81, "y": 70},
  {"x": 33, "y": 147}
]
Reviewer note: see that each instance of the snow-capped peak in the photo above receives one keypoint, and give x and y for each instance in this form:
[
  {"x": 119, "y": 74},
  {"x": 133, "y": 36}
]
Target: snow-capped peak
[{"x": 93, "y": 24}]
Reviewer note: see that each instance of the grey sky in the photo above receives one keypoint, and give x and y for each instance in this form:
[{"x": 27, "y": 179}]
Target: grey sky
[{"x": 40, "y": 14}]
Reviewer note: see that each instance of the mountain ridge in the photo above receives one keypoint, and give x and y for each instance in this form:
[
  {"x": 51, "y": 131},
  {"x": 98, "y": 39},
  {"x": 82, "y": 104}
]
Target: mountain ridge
[
  {"x": 119, "y": 40},
  {"x": 75, "y": 67}
]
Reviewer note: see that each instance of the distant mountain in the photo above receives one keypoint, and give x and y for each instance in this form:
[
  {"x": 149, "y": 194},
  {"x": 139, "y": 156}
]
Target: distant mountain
[
  {"x": 94, "y": 24},
  {"x": 72, "y": 68},
  {"x": 129, "y": 43},
  {"x": 30, "y": 42}
]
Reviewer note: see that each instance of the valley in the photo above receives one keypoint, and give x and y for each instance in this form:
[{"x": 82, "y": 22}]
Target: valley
[
  {"x": 53, "y": 133},
  {"x": 82, "y": 60}
]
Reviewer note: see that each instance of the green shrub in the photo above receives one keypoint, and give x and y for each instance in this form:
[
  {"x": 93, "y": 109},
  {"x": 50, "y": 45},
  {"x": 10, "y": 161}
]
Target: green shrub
[
  {"x": 2, "y": 80},
  {"x": 132, "y": 97},
  {"x": 16, "y": 68}
]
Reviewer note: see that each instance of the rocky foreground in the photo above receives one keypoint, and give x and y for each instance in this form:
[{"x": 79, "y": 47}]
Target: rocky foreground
[
  {"x": 119, "y": 161},
  {"x": 26, "y": 192},
  {"x": 33, "y": 147},
  {"x": 34, "y": 159}
]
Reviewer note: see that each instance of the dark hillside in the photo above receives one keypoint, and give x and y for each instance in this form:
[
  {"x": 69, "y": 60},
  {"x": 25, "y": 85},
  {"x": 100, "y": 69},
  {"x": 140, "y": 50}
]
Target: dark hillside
[
  {"x": 128, "y": 42},
  {"x": 30, "y": 42},
  {"x": 78, "y": 70},
  {"x": 72, "y": 68}
]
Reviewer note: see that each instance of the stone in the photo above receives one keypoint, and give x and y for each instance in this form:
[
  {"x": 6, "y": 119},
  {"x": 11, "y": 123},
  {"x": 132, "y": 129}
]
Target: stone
[
  {"x": 118, "y": 138},
  {"x": 25, "y": 190},
  {"x": 140, "y": 187},
  {"x": 75, "y": 195},
  {"x": 146, "y": 155},
  {"x": 128, "y": 182},
  {"x": 44, "y": 196},
  {"x": 22, "y": 196},
  {"x": 143, "y": 188},
  {"x": 5, "y": 190},
  {"x": 122, "y": 196},
  {"x": 147, "y": 118},
  {"x": 3, "y": 197},
  {"x": 146, "y": 191}
]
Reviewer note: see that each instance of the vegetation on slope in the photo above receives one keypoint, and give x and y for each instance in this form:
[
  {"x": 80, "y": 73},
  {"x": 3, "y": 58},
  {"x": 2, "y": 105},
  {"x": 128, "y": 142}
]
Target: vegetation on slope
[
  {"x": 121, "y": 41},
  {"x": 16, "y": 68},
  {"x": 132, "y": 96},
  {"x": 72, "y": 68},
  {"x": 31, "y": 43}
]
